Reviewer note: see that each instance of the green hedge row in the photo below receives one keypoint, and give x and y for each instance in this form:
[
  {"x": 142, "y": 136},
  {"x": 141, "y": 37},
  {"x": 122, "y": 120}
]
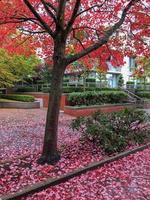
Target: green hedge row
[
  {"x": 23, "y": 98},
  {"x": 80, "y": 89},
  {"x": 90, "y": 80},
  {"x": 26, "y": 89},
  {"x": 130, "y": 82},
  {"x": 96, "y": 98},
  {"x": 144, "y": 94},
  {"x": 146, "y": 83}
]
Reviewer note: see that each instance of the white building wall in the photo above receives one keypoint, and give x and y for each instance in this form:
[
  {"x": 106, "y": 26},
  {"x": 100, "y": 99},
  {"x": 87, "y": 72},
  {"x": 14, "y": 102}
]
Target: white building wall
[{"x": 125, "y": 70}]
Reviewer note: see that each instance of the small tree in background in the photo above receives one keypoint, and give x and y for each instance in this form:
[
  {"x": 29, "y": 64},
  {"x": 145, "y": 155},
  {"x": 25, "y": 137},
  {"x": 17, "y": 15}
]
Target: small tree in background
[{"x": 15, "y": 68}]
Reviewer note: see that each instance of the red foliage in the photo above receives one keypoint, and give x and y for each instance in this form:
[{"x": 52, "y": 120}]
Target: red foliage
[{"x": 95, "y": 18}]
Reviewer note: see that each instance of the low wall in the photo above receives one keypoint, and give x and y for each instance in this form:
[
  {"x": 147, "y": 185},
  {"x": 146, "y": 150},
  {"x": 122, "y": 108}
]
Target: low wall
[
  {"x": 22, "y": 105},
  {"x": 45, "y": 97},
  {"x": 71, "y": 110},
  {"x": 147, "y": 105},
  {"x": 88, "y": 110}
]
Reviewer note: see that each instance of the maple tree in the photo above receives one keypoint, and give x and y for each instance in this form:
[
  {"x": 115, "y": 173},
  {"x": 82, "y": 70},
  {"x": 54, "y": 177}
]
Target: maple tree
[{"x": 66, "y": 31}]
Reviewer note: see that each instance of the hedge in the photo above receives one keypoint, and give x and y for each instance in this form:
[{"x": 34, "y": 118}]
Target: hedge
[
  {"x": 26, "y": 89},
  {"x": 66, "y": 80},
  {"x": 23, "y": 98},
  {"x": 96, "y": 98},
  {"x": 130, "y": 82},
  {"x": 81, "y": 89},
  {"x": 146, "y": 83},
  {"x": 145, "y": 94},
  {"x": 93, "y": 80},
  {"x": 72, "y": 89}
]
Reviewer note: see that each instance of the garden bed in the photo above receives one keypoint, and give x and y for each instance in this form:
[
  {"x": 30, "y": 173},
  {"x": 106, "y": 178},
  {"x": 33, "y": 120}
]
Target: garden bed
[
  {"x": 45, "y": 98},
  {"x": 18, "y": 101}
]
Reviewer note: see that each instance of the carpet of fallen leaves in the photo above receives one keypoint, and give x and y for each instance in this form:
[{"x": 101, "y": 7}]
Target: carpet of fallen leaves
[
  {"x": 21, "y": 133},
  {"x": 125, "y": 179}
]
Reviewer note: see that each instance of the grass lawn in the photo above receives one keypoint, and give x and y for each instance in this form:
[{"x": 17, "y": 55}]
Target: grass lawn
[{"x": 6, "y": 100}]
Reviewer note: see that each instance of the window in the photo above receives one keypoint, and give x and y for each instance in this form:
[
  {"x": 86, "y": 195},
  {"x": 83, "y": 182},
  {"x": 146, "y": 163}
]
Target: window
[{"x": 132, "y": 63}]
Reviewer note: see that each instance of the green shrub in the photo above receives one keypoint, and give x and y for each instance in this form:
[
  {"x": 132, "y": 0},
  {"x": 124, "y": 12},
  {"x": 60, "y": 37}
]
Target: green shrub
[
  {"x": 146, "y": 83},
  {"x": 46, "y": 85},
  {"x": 23, "y": 98},
  {"x": 96, "y": 98},
  {"x": 66, "y": 80},
  {"x": 40, "y": 81},
  {"x": 143, "y": 94},
  {"x": 45, "y": 90},
  {"x": 108, "y": 89},
  {"x": 26, "y": 89},
  {"x": 130, "y": 82},
  {"x": 114, "y": 131},
  {"x": 80, "y": 88},
  {"x": 93, "y": 80}
]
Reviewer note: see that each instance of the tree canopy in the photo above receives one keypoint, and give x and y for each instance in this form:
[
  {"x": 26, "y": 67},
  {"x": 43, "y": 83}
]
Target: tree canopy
[
  {"x": 119, "y": 27},
  {"x": 14, "y": 68}
]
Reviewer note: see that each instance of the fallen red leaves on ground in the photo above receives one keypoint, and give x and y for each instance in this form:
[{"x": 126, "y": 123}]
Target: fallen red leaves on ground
[{"x": 21, "y": 133}]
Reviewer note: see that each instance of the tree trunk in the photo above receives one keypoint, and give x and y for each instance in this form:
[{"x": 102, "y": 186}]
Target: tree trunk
[{"x": 50, "y": 153}]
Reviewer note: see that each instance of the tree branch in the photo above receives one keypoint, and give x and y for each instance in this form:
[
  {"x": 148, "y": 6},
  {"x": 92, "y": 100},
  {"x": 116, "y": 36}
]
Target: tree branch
[
  {"x": 51, "y": 6},
  {"x": 90, "y": 8},
  {"x": 43, "y": 23},
  {"x": 73, "y": 17},
  {"x": 49, "y": 12},
  {"x": 60, "y": 15},
  {"x": 105, "y": 38},
  {"x": 31, "y": 32}
]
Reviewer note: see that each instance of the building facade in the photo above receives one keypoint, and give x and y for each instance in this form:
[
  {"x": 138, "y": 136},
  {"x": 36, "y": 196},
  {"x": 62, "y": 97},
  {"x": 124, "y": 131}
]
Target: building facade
[{"x": 110, "y": 79}]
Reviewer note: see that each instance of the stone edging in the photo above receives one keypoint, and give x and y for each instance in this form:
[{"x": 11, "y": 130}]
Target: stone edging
[
  {"x": 21, "y": 105},
  {"x": 99, "y": 106},
  {"x": 55, "y": 181}
]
